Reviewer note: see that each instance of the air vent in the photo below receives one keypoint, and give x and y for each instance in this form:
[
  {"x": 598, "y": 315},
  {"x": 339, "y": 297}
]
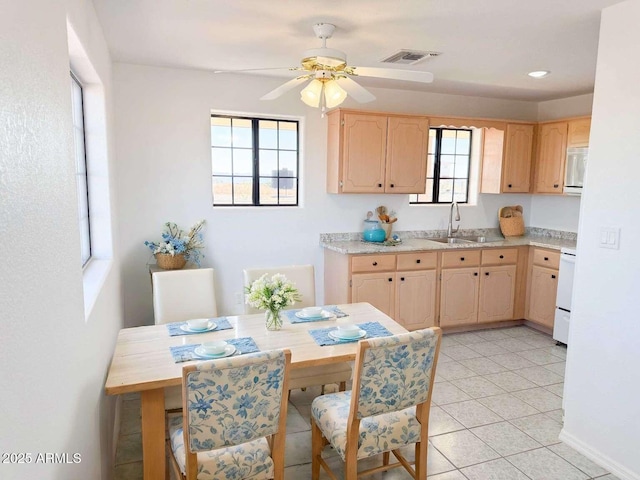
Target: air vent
[{"x": 409, "y": 57}]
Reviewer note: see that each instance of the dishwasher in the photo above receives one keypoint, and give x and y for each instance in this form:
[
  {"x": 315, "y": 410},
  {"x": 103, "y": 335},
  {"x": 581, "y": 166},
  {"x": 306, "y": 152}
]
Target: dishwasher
[{"x": 563, "y": 298}]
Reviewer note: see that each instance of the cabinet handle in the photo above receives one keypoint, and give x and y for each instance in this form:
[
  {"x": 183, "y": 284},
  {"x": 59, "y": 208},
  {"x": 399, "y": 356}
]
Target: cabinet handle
[
  {"x": 501, "y": 256},
  {"x": 546, "y": 259},
  {"x": 475, "y": 274},
  {"x": 553, "y": 276},
  {"x": 391, "y": 279},
  {"x": 379, "y": 185},
  {"x": 462, "y": 259},
  {"x": 418, "y": 261},
  {"x": 555, "y": 185},
  {"x": 392, "y": 185},
  {"x": 486, "y": 273},
  {"x": 375, "y": 263},
  {"x": 509, "y": 185},
  {"x": 402, "y": 278}
]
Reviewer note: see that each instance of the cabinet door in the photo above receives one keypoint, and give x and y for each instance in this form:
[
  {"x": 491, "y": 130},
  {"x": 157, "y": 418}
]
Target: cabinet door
[
  {"x": 517, "y": 159},
  {"x": 542, "y": 295},
  {"x": 407, "y": 142},
  {"x": 364, "y": 151},
  {"x": 579, "y": 131},
  {"x": 497, "y": 293},
  {"x": 416, "y": 299},
  {"x": 552, "y": 150},
  {"x": 459, "y": 296},
  {"x": 378, "y": 289}
]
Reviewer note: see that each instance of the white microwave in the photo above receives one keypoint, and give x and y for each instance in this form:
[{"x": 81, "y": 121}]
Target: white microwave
[{"x": 575, "y": 170}]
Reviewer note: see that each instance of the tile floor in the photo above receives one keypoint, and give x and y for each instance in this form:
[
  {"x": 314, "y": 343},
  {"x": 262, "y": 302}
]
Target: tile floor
[{"x": 496, "y": 415}]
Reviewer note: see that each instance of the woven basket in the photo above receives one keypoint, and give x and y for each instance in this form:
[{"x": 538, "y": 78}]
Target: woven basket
[
  {"x": 511, "y": 221},
  {"x": 168, "y": 262}
]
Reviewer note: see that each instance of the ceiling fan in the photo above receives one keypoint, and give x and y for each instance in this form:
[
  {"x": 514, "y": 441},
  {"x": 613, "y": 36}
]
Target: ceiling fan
[{"x": 331, "y": 77}]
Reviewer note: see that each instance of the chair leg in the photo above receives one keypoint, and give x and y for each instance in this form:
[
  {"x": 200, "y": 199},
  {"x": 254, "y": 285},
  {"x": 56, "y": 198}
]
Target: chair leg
[
  {"x": 351, "y": 465},
  {"x": 385, "y": 458},
  {"x": 421, "y": 460},
  {"x": 343, "y": 386},
  {"x": 316, "y": 449}
]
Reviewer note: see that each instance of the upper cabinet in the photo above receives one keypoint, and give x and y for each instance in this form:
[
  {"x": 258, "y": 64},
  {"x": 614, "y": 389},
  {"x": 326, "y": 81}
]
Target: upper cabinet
[
  {"x": 550, "y": 157},
  {"x": 506, "y": 159},
  {"x": 579, "y": 130},
  {"x": 375, "y": 153}
]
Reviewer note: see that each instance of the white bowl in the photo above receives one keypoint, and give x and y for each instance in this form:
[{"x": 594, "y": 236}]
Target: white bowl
[
  {"x": 312, "y": 311},
  {"x": 348, "y": 330},
  {"x": 198, "y": 323},
  {"x": 215, "y": 347}
]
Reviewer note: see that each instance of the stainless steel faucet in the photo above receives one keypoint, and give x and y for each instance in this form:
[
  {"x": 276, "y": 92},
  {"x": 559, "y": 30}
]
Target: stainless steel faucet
[{"x": 450, "y": 229}]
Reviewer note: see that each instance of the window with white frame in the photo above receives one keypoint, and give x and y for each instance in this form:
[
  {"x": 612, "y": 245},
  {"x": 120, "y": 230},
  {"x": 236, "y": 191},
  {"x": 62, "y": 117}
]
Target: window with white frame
[
  {"x": 448, "y": 167},
  {"x": 81, "y": 170},
  {"x": 254, "y": 161}
]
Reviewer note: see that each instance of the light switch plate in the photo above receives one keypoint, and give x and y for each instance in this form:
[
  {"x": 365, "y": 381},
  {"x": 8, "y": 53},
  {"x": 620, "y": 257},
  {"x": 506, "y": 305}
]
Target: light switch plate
[{"x": 610, "y": 237}]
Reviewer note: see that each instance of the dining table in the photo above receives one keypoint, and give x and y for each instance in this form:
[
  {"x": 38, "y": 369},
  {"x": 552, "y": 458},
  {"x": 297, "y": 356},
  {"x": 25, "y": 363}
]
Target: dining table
[{"x": 142, "y": 362}]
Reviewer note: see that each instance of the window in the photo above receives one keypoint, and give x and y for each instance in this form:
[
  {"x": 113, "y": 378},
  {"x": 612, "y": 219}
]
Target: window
[
  {"x": 448, "y": 165},
  {"x": 81, "y": 170},
  {"x": 254, "y": 161}
]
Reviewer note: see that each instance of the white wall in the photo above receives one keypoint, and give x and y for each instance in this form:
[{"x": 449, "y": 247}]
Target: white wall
[
  {"x": 53, "y": 361},
  {"x": 565, "y": 107},
  {"x": 602, "y": 416},
  {"x": 163, "y": 131}
]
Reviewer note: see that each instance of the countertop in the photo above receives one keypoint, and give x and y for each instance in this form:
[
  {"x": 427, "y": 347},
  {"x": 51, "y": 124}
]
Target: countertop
[{"x": 349, "y": 247}]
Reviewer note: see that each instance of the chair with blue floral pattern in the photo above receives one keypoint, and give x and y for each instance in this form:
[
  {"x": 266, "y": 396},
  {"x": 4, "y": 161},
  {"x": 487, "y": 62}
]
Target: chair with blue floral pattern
[
  {"x": 387, "y": 408},
  {"x": 233, "y": 418}
]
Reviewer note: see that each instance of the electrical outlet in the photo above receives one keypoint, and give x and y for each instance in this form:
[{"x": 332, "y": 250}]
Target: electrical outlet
[{"x": 239, "y": 298}]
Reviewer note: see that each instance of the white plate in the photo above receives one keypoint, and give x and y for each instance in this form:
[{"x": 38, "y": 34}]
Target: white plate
[
  {"x": 228, "y": 351},
  {"x": 325, "y": 315},
  {"x": 336, "y": 336},
  {"x": 188, "y": 329}
]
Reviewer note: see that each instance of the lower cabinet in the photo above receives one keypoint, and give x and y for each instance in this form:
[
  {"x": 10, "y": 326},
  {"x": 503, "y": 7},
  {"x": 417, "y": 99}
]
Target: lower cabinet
[
  {"x": 497, "y": 293},
  {"x": 459, "y": 289},
  {"x": 378, "y": 289},
  {"x": 416, "y": 299},
  {"x": 543, "y": 286}
]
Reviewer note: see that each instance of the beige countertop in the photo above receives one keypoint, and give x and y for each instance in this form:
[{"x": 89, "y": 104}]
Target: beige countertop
[{"x": 350, "y": 247}]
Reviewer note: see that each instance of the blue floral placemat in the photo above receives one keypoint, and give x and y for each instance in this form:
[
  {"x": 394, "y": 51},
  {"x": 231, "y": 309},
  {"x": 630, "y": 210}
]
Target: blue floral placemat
[
  {"x": 186, "y": 353},
  {"x": 373, "y": 329},
  {"x": 221, "y": 324},
  {"x": 291, "y": 314}
]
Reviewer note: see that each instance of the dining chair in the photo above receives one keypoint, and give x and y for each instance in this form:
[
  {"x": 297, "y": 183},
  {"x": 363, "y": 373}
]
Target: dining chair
[
  {"x": 387, "y": 408},
  {"x": 234, "y": 417},
  {"x": 180, "y": 295},
  {"x": 303, "y": 277}
]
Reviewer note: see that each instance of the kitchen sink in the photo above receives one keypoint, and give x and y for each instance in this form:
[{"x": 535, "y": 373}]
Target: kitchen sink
[
  {"x": 482, "y": 239},
  {"x": 451, "y": 240}
]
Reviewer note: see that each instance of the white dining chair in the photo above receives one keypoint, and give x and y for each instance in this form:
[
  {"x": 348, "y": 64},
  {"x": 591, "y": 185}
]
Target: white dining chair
[
  {"x": 303, "y": 277},
  {"x": 180, "y": 295}
]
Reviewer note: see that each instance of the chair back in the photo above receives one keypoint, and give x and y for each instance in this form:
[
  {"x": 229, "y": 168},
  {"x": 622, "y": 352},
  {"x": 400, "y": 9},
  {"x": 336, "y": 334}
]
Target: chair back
[
  {"x": 179, "y": 295},
  {"x": 302, "y": 276},
  {"x": 234, "y": 400},
  {"x": 394, "y": 373}
]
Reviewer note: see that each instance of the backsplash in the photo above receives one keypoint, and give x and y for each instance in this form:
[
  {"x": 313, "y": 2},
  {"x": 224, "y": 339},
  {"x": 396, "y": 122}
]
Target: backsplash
[{"x": 486, "y": 232}]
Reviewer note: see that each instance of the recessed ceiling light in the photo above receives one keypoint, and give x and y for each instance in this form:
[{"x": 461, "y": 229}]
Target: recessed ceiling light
[{"x": 539, "y": 73}]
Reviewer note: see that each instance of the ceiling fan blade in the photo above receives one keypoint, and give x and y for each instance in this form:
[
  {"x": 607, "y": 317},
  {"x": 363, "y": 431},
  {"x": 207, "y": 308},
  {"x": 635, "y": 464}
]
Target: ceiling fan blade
[
  {"x": 285, "y": 87},
  {"x": 407, "y": 75},
  {"x": 357, "y": 92},
  {"x": 258, "y": 69}
]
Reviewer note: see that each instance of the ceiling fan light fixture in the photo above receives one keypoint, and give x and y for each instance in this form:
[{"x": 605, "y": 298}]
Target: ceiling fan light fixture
[
  {"x": 539, "y": 73},
  {"x": 334, "y": 94},
  {"x": 311, "y": 93}
]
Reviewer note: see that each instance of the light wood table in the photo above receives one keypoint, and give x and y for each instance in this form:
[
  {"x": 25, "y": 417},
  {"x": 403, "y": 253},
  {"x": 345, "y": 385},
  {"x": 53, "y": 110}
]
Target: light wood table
[{"x": 142, "y": 362}]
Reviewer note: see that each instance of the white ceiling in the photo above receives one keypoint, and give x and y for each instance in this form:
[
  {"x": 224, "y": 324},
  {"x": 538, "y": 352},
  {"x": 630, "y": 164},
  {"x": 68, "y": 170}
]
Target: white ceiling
[{"x": 487, "y": 46}]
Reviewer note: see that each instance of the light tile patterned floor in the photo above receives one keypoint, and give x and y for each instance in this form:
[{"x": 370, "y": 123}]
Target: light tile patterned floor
[{"x": 496, "y": 415}]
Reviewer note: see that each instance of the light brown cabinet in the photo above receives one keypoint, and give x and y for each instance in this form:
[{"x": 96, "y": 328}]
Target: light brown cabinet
[
  {"x": 506, "y": 159},
  {"x": 578, "y": 132},
  {"x": 378, "y": 289},
  {"x": 542, "y": 286},
  {"x": 459, "y": 290},
  {"x": 497, "y": 293},
  {"x": 551, "y": 155},
  {"x": 375, "y": 153},
  {"x": 416, "y": 299}
]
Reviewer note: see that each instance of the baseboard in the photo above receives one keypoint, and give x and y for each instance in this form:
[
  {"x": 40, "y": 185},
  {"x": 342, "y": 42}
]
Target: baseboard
[{"x": 604, "y": 461}]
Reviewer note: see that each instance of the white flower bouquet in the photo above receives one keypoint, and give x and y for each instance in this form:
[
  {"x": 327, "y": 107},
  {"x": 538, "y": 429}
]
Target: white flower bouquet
[{"x": 272, "y": 295}]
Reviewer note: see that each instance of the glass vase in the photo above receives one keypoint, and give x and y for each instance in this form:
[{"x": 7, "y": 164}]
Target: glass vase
[{"x": 273, "y": 321}]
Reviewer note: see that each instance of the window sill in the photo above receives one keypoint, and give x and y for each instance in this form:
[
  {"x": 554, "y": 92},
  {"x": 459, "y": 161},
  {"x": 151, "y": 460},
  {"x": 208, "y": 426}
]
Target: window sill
[{"x": 93, "y": 277}]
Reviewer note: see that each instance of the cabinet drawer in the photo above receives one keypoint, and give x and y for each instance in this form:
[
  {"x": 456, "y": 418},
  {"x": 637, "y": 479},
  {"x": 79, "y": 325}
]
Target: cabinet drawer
[
  {"x": 417, "y": 261},
  {"x": 372, "y": 263},
  {"x": 461, "y": 258},
  {"x": 500, "y": 256},
  {"x": 546, "y": 258}
]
